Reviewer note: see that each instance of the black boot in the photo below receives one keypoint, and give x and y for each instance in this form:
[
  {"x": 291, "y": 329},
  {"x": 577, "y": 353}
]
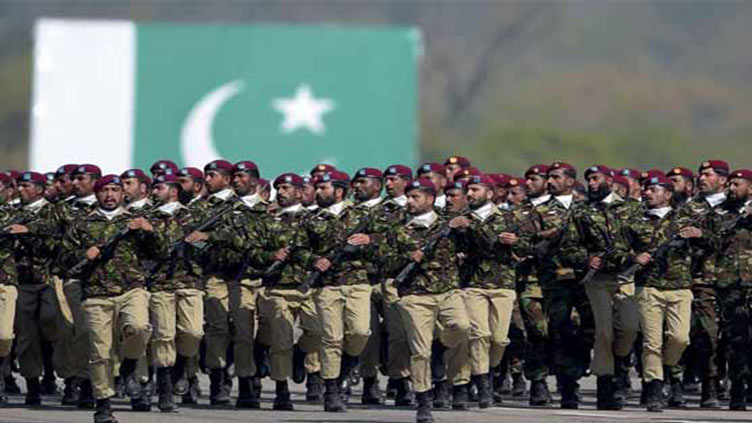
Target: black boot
[
  {"x": 539, "y": 394},
  {"x": 605, "y": 394},
  {"x": 404, "y": 395},
  {"x": 127, "y": 372},
  {"x": 519, "y": 387},
  {"x": 654, "y": 397},
  {"x": 11, "y": 386},
  {"x": 676, "y": 393},
  {"x": 282, "y": 397},
  {"x": 709, "y": 396},
  {"x": 191, "y": 397},
  {"x": 314, "y": 388},
  {"x": 3, "y": 396},
  {"x": 569, "y": 398},
  {"x": 438, "y": 365},
  {"x": 33, "y": 391},
  {"x": 119, "y": 387},
  {"x": 70, "y": 391},
  {"x": 166, "y": 402},
  {"x": 391, "y": 389},
  {"x": 180, "y": 381},
  {"x": 441, "y": 395},
  {"x": 218, "y": 394},
  {"x": 86, "y": 395},
  {"x": 246, "y": 397},
  {"x": 298, "y": 364},
  {"x": 104, "y": 412},
  {"x": 621, "y": 379},
  {"x": 483, "y": 382},
  {"x": 49, "y": 384},
  {"x": 460, "y": 397},
  {"x": 738, "y": 393},
  {"x": 261, "y": 358},
  {"x": 424, "y": 414},
  {"x": 371, "y": 393},
  {"x": 332, "y": 399}
]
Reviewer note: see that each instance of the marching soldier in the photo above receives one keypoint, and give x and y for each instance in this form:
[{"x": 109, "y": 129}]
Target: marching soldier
[
  {"x": 437, "y": 174},
  {"x": 308, "y": 199},
  {"x": 454, "y": 164},
  {"x": 684, "y": 185},
  {"x": 456, "y": 198},
  {"x": 136, "y": 187},
  {"x": 8, "y": 285},
  {"x": 64, "y": 182},
  {"x": 192, "y": 183},
  {"x": 163, "y": 166}
]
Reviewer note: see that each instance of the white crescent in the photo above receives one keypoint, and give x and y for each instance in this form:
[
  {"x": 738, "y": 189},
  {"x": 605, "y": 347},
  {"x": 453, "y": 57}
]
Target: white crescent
[{"x": 196, "y": 140}]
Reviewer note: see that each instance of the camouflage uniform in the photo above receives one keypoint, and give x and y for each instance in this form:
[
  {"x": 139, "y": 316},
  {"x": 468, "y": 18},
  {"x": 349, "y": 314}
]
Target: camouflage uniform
[{"x": 8, "y": 289}]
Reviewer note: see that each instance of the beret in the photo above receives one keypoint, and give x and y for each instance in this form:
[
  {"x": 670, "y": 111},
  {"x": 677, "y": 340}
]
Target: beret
[
  {"x": 681, "y": 171},
  {"x": 50, "y": 176},
  {"x": 166, "y": 178},
  {"x": 192, "y": 172},
  {"x": 399, "y": 170},
  {"x": 562, "y": 166},
  {"x": 742, "y": 173},
  {"x": 423, "y": 184},
  {"x": 432, "y": 167},
  {"x": 482, "y": 180},
  {"x": 540, "y": 169},
  {"x": 462, "y": 185},
  {"x": 65, "y": 170},
  {"x": 661, "y": 180},
  {"x": 719, "y": 166},
  {"x": 87, "y": 169},
  {"x": 459, "y": 160},
  {"x": 621, "y": 180},
  {"x": 135, "y": 173},
  {"x": 501, "y": 179},
  {"x": 162, "y": 165},
  {"x": 323, "y": 167},
  {"x": 263, "y": 184},
  {"x": 289, "y": 178},
  {"x": 107, "y": 180},
  {"x": 650, "y": 173},
  {"x": 244, "y": 166},
  {"x": 630, "y": 173},
  {"x": 467, "y": 172},
  {"x": 33, "y": 177},
  {"x": 368, "y": 172},
  {"x": 221, "y": 165},
  {"x": 307, "y": 180},
  {"x": 605, "y": 170},
  {"x": 515, "y": 181},
  {"x": 335, "y": 177}
]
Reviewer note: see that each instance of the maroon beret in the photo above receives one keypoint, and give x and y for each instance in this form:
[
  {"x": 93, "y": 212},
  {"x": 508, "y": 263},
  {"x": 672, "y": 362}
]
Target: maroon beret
[
  {"x": 661, "y": 180},
  {"x": 65, "y": 170},
  {"x": 681, "y": 171},
  {"x": 486, "y": 180},
  {"x": 621, "y": 180},
  {"x": 464, "y": 162},
  {"x": 719, "y": 166},
  {"x": 335, "y": 177},
  {"x": 432, "y": 167},
  {"x": 33, "y": 177},
  {"x": 135, "y": 173},
  {"x": 289, "y": 178},
  {"x": 87, "y": 169},
  {"x": 462, "y": 185},
  {"x": 4, "y": 177},
  {"x": 423, "y": 184},
  {"x": 107, "y": 180},
  {"x": 367, "y": 172},
  {"x": 323, "y": 167},
  {"x": 220, "y": 165},
  {"x": 307, "y": 179},
  {"x": 539, "y": 169},
  {"x": 160, "y": 166},
  {"x": 245, "y": 166},
  {"x": 515, "y": 181},
  {"x": 13, "y": 174},
  {"x": 50, "y": 176},
  {"x": 166, "y": 178},
  {"x": 192, "y": 172},
  {"x": 650, "y": 173},
  {"x": 501, "y": 179},
  {"x": 562, "y": 166},
  {"x": 398, "y": 170},
  {"x": 605, "y": 170},
  {"x": 264, "y": 185},
  {"x": 742, "y": 173},
  {"x": 630, "y": 173},
  {"x": 467, "y": 172}
]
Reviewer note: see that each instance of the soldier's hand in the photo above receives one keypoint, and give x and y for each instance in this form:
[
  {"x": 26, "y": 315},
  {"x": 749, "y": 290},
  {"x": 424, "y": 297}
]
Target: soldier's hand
[
  {"x": 323, "y": 264},
  {"x": 459, "y": 222},
  {"x": 359, "y": 239},
  {"x": 92, "y": 253},
  {"x": 690, "y": 232},
  {"x": 548, "y": 233},
  {"x": 17, "y": 229},
  {"x": 595, "y": 262},
  {"x": 140, "y": 223},
  {"x": 196, "y": 237},
  {"x": 416, "y": 256},
  {"x": 282, "y": 254},
  {"x": 508, "y": 238},
  {"x": 643, "y": 259}
]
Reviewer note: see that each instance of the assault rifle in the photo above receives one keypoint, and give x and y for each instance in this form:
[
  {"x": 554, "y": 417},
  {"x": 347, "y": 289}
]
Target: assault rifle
[
  {"x": 427, "y": 248},
  {"x": 106, "y": 251},
  {"x": 335, "y": 258},
  {"x": 609, "y": 249}
]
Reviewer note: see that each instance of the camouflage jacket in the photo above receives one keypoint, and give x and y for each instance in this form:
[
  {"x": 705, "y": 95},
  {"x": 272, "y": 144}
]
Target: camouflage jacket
[
  {"x": 67, "y": 212},
  {"x": 35, "y": 251},
  {"x": 124, "y": 270},
  {"x": 703, "y": 261},
  {"x": 178, "y": 268},
  {"x": 526, "y": 272},
  {"x": 237, "y": 264},
  {"x": 489, "y": 263},
  {"x": 8, "y": 274},
  {"x": 734, "y": 253},
  {"x": 438, "y": 272},
  {"x": 328, "y": 232}
]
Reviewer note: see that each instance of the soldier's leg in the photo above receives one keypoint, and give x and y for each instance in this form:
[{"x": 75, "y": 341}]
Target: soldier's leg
[
  {"x": 704, "y": 337},
  {"x": 558, "y": 305},
  {"x": 133, "y": 322},
  {"x": 478, "y": 307},
  {"x": 455, "y": 335},
  {"x": 190, "y": 322},
  {"x": 601, "y": 291},
  {"x": 49, "y": 311},
  {"x": 8, "y": 301},
  {"x": 278, "y": 315},
  {"x": 678, "y": 315},
  {"x": 29, "y": 340},
  {"x": 370, "y": 357},
  {"x": 536, "y": 331},
  {"x": 99, "y": 315},
  {"x": 500, "y": 319},
  {"x": 217, "y": 309},
  {"x": 330, "y": 306},
  {"x": 733, "y": 307},
  {"x": 585, "y": 330},
  {"x": 357, "y": 318},
  {"x": 515, "y": 352},
  {"x": 243, "y": 306},
  {"x": 419, "y": 313},
  {"x": 398, "y": 359},
  {"x": 309, "y": 343},
  {"x": 163, "y": 316}
]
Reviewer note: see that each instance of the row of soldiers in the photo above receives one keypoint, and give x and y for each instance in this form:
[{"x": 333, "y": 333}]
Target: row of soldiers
[{"x": 129, "y": 276}]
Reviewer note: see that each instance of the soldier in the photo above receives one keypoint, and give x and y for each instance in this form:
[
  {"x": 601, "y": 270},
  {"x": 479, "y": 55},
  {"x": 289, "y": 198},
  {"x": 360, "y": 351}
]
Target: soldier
[
  {"x": 321, "y": 170},
  {"x": 620, "y": 186},
  {"x": 612, "y": 301},
  {"x": 456, "y": 198},
  {"x": 51, "y": 193},
  {"x": 343, "y": 293},
  {"x": 663, "y": 284},
  {"x": 634, "y": 191},
  {"x": 454, "y": 164},
  {"x": 308, "y": 199},
  {"x": 516, "y": 192},
  {"x": 110, "y": 243},
  {"x": 192, "y": 183},
  {"x": 136, "y": 187},
  {"x": 492, "y": 244},
  {"x": 430, "y": 293},
  {"x": 163, "y": 166},
  {"x": 8, "y": 286},
  {"x": 684, "y": 185},
  {"x": 264, "y": 189},
  {"x": 176, "y": 307},
  {"x": 501, "y": 192},
  {"x": 437, "y": 174},
  {"x": 734, "y": 281}
]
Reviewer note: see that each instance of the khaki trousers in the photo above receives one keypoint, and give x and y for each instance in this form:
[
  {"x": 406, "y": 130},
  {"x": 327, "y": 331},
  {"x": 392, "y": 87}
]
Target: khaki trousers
[
  {"x": 8, "y": 298},
  {"x": 421, "y": 314},
  {"x": 36, "y": 320},
  {"x": 663, "y": 313},
  {"x": 124, "y": 317},
  {"x": 617, "y": 321},
  {"x": 398, "y": 358},
  {"x": 344, "y": 323},
  {"x": 490, "y": 313},
  {"x": 178, "y": 321},
  {"x": 279, "y": 309},
  {"x": 74, "y": 345}
]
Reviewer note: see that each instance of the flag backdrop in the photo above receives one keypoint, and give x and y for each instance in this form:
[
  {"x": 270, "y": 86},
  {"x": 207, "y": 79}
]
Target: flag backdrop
[{"x": 123, "y": 94}]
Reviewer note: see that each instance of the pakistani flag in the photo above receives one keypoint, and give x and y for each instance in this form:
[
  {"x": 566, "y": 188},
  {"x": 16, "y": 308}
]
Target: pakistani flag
[{"x": 123, "y": 95}]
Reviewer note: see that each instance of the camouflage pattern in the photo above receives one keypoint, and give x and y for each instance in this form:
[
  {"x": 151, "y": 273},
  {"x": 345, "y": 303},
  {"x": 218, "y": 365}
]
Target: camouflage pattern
[
  {"x": 8, "y": 274},
  {"x": 605, "y": 230},
  {"x": 34, "y": 251},
  {"x": 568, "y": 259},
  {"x": 178, "y": 269},
  {"x": 123, "y": 271}
]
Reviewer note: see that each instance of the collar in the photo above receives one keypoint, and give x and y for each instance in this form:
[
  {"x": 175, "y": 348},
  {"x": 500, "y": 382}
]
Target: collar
[
  {"x": 611, "y": 197},
  {"x": 370, "y": 203},
  {"x": 251, "y": 200},
  {"x": 224, "y": 195},
  {"x": 440, "y": 201},
  {"x": 505, "y": 206},
  {"x": 660, "y": 212},
  {"x": 401, "y": 200},
  {"x": 336, "y": 209},
  {"x": 291, "y": 209},
  {"x": 36, "y": 206},
  {"x": 140, "y": 204},
  {"x": 484, "y": 211},
  {"x": 537, "y": 201},
  {"x": 111, "y": 214},
  {"x": 715, "y": 199},
  {"x": 89, "y": 200},
  {"x": 565, "y": 200},
  {"x": 70, "y": 199},
  {"x": 171, "y": 208},
  {"x": 312, "y": 207},
  {"x": 424, "y": 220},
  {"x": 194, "y": 199},
  {"x": 15, "y": 202}
]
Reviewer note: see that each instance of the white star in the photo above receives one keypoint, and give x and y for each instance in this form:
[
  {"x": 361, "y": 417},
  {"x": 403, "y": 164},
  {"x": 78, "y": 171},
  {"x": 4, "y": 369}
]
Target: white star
[{"x": 303, "y": 111}]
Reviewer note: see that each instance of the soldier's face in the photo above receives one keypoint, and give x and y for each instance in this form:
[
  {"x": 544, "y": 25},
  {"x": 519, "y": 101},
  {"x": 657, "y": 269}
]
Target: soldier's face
[
  {"x": 658, "y": 196},
  {"x": 64, "y": 185},
  {"x": 478, "y": 195},
  {"x": 558, "y": 183},
  {"x": 456, "y": 199},
  {"x": 635, "y": 189},
  {"x": 189, "y": 184},
  {"x": 288, "y": 195},
  {"x": 83, "y": 185},
  {"x": 51, "y": 193},
  {"x": 500, "y": 195},
  {"x": 451, "y": 169},
  {"x": 536, "y": 185},
  {"x": 30, "y": 192},
  {"x": 681, "y": 184},
  {"x": 308, "y": 195},
  {"x": 439, "y": 180},
  {"x": 325, "y": 194},
  {"x": 598, "y": 186},
  {"x": 216, "y": 181},
  {"x": 162, "y": 193},
  {"x": 110, "y": 196},
  {"x": 517, "y": 196},
  {"x": 244, "y": 184},
  {"x": 5, "y": 191},
  {"x": 419, "y": 202},
  {"x": 366, "y": 188},
  {"x": 739, "y": 189},
  {"x": 395, "y": 185},
  {"x": 711, "y": 182},
  {"x": 621, "y": 190},
  {"x": 133, "y": 190}
]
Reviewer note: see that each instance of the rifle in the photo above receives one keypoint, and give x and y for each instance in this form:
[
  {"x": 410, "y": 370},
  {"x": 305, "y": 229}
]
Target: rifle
[
  {"x": 336, "y": 257},
  {"x": 544, "y": 246},
  {"x": 427, "y": 248},
  {"x": 607, "y": 252},
  {"x": 18, "y": 220},
  {"x": 105, "y": 253}
]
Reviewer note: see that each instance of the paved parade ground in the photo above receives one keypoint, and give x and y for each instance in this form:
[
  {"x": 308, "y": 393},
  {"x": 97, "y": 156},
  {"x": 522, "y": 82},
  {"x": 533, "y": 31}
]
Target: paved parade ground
[{"x": 514, "y": 410}]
